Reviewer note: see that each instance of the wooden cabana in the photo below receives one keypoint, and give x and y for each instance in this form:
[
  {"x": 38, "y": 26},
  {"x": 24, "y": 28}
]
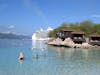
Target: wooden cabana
[
  {"x": 78, "y": 37},
  {"x": 94, "y": 40},
  {"x": 65, "y": 33}
]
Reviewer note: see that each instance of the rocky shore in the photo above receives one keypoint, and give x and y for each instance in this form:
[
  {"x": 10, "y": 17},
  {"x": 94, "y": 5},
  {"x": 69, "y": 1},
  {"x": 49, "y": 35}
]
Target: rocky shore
[{"x": 69, "y": 43}]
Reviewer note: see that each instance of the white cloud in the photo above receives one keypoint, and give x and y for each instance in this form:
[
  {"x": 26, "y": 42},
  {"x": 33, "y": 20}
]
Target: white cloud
[{"x": 95, "y": 16}]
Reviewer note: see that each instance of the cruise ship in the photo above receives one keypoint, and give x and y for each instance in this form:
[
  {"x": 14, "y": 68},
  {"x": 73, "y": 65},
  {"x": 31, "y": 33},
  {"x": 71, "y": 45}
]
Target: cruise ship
[{"x": 41, "y": 34}]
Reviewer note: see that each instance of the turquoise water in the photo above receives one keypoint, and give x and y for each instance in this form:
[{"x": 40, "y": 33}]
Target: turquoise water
[{"x": 58, "y": 61}]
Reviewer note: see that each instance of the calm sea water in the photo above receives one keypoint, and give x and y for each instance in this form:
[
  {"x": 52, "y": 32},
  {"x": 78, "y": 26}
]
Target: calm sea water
[{"x": 58, "y": 61}]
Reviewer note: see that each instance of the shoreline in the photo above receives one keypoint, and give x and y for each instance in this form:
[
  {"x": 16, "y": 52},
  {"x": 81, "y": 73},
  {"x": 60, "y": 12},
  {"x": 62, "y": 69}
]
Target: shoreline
[{"x": 69, "y": 43}]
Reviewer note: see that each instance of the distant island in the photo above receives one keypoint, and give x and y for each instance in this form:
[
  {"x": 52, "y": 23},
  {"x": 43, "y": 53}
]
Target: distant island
[{"x": 13, "y": 36}]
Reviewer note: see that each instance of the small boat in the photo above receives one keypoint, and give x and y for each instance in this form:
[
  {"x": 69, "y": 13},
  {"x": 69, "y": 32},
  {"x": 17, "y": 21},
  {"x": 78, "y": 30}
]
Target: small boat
[{"x": 21, "y": 56}]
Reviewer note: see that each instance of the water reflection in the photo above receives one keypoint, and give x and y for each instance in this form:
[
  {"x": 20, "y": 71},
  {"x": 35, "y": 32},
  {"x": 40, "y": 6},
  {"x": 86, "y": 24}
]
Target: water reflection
[
  {"x": 71, "y": 54},
  {"x": 70, "y": 59},
  {"x": 38, "y": 44},
  {"x": 33, "y": 44},
  {"x": 78, "y": 55},
  {"x": 58, "y": 60},
  {"x": 39, "y": 48},
  {"x": 59, "y": 50},
  {"x": 21, "y": 61}
]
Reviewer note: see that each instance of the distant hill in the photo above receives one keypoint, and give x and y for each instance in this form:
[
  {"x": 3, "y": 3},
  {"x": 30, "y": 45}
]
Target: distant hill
[{"x": 13, "y": 36}]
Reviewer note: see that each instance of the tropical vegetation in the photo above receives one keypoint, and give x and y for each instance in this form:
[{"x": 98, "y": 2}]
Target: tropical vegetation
[{"x": 88, "y": 27}]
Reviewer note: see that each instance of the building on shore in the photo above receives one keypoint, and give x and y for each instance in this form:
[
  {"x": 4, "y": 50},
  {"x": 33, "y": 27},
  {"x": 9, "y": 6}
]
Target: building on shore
[
  {"x": 78, "y": 37},
  {"x": 94, "y": 40},
  {"x": 64, "y": 33}
]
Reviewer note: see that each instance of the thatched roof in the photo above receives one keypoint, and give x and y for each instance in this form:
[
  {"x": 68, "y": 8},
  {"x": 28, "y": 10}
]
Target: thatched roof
[{"x": 78, "y": 32}]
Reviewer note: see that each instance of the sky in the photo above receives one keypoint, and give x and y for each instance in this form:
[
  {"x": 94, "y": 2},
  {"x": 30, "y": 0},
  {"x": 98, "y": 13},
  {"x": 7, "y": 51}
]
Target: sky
[{"x": 27, "y": 16}]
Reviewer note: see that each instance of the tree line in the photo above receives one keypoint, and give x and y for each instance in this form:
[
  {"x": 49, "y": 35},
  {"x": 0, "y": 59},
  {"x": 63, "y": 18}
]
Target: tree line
[{"x": 88, "y": 27}]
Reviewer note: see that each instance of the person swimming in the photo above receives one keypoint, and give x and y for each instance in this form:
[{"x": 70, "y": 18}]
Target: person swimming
[
  {"x": 36, "y": 56},
  {"x": 21, "y": 56}
]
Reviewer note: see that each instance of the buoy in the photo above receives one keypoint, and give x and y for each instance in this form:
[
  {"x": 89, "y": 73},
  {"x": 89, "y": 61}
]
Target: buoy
[{"x": 20, "y": 61}]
